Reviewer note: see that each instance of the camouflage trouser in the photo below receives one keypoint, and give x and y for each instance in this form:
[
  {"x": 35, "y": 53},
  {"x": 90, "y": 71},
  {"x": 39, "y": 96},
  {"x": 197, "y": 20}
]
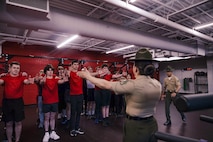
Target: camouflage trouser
[
  {"x": 140, "y": 130},
  {"x": 168, "y": 101}
]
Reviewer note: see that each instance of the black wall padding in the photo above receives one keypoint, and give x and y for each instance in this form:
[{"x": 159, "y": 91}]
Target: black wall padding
[
  {"x": 171, "y": 138},
  {"x": 187, "y": 103},
  {"x": 206, "y": 118}
]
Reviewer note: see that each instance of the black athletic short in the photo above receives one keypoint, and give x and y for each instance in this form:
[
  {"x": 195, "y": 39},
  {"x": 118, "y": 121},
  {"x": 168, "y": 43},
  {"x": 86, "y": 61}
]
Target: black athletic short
[
  {"x": 90, "y": 94},
  {"x": 50, "y": 108},
  {"x": 105, "y": 97},
  {"x": 13, "y": 110}
]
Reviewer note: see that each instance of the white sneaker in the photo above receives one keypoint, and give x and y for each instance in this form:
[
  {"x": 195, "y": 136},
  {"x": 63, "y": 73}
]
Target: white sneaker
[
  {"x": 54, "y": 136},
  {"x": 46, "y": 137},
  {"x": 59, "y": 116},
  {"x": 79, "y": 131}
]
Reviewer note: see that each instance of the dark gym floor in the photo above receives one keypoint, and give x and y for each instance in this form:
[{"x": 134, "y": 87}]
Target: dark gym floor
[{"x": 194, "y": 128}]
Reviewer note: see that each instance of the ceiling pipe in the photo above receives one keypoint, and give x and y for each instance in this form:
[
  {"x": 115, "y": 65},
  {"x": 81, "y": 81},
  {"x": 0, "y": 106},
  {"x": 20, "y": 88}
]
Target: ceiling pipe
[
  {"x": 66, "y": 22},
  {"x": 159, "y": 19}
]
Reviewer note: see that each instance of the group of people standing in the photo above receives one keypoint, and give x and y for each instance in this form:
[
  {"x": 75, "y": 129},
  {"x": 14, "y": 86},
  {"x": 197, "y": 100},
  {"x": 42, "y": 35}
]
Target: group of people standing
[
  {"x": 48, "y": 99},
  {"x": 60, "y": 93},
  {"x": 63, "y": 93}
]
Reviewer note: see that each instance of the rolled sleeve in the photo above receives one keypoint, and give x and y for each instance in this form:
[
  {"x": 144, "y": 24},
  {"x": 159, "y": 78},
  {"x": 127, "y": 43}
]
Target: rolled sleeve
[
  {"x": 178, "y": 82},
  {"x": 123, "y": 87}
]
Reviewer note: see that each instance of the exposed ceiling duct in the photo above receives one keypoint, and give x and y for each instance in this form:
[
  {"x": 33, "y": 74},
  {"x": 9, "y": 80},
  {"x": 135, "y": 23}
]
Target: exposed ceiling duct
[{"x": 66, "y": 22}]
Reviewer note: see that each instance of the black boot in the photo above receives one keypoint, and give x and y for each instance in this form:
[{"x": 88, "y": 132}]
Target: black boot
[
  {"x": 68, "y": 124},
  {"x": 104, "y": 122},
  {"x": 183, "y": 118},
  {"x": 108, "y": 121},
  {"x": 167, "y": 123}
]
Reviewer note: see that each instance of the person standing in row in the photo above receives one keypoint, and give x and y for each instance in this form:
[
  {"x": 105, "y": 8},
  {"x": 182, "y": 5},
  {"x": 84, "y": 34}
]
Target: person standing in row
[
  {"x": 142, "y": 95},
  {"x": 171, "y": 88},
  {"x": 97, "y": 96},
  {"x": 37, "y": 79},
  {"x": 61, "y": 95},
  {"x": 13, "y": 104},
  {"x": 50, "y": 101},
  {"x": 105, "y": 95},
  {"x": 76, "y": 98},
  {"x": 90, "y": 96},
  {"x": 67, "y": 98}
]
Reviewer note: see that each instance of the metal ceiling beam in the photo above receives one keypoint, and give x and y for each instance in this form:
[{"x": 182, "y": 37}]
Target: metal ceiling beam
[
  {"x": 66, "y": 22},
  {"x": 159, "y": 19},
  {"x": 92, "y": 44},
  {"x": 172, "y": 8},
  {"x": 96, "y": 8},
  {"x": 189, "y": 7},
  {"x": 39, "y": 41}
]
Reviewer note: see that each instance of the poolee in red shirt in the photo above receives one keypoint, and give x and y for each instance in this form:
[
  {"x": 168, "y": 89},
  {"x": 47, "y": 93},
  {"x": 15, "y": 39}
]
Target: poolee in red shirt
[
  {"x": 14, "y": 86},
  {"x": 108, "y": 77},
  {"x": 96, "y": 87},
  {"x": 76, "y": 84},
  {"x": 50, "y": 91}
]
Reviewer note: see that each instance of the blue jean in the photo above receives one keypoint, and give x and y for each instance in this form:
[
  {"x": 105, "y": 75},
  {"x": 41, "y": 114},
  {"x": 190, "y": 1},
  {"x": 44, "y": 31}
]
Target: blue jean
[{"x": 40, "y": 113}]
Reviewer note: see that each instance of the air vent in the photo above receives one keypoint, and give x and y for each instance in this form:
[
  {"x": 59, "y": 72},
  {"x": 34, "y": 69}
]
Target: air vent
[{"x": 33, "y": 7}]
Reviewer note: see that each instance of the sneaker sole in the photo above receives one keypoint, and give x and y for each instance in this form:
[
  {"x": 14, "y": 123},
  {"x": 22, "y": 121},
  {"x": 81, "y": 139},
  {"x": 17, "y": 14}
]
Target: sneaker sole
[
  {"x": 55, "y": 139},
  {"x": 80, "y": 133}
]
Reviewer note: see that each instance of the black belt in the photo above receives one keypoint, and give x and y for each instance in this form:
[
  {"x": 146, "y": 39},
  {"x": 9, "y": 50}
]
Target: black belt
[
  {"x": 138, "y": 118},
  {"x": 170, "y": 91}
]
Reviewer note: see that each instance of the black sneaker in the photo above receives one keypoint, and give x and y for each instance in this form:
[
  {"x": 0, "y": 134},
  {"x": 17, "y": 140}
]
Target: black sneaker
[
  {"x": 105, "y": 124},
  {"x": 64, "y": 120},
  {"x": 73, "y": 133},
  {"x": 184, "y": 119},
  {"x": 79, "y": 131}
]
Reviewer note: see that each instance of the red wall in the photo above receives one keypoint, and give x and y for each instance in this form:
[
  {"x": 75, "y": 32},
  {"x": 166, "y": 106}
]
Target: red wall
[{"x": 44, "y": 56}]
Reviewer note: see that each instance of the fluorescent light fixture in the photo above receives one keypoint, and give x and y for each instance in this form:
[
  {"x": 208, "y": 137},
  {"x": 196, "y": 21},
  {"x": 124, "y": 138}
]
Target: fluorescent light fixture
[
  {"x": 203, "y": 26},
  {"x": 115, "y": 50},
  {"x": 129, "y": 55},
  {"x": 171, "y": 58},
  {"x": 68, "y": 40}
]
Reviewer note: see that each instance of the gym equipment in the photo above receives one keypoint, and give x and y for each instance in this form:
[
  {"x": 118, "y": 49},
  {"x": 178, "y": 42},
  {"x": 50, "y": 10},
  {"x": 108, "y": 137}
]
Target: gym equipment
[
  {"x": 172, "y": 138},
  {"x": 206, "y": 118},
  {"x": 188, "y": 103}
]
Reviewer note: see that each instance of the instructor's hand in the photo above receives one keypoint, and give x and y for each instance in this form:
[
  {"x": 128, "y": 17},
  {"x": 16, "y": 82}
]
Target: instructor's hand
[
  {"x": 162, "y": 97},
  {"x": 173, "y": 94},
  {"x": 84, "y": 73}
]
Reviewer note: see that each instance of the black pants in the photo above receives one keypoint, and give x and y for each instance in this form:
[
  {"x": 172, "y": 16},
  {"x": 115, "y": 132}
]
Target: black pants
[
  {"x": 98, "y": 113},
  {"x": 76, "y": 107},
  {"x": 62, "y": 102},
  {"x": 118, "y": 103},
  {"x": 168, "y": 102}
]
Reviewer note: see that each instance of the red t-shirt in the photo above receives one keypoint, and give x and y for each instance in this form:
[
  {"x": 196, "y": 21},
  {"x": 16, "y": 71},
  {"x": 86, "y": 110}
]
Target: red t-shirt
[
  {"x": 13, "y": 86},
  {"x": 108, "y": 77},
  {"x": 96, "y": 87},
  {"x": 76, "y": 84},
  {"x": 50, "y": 91}
]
